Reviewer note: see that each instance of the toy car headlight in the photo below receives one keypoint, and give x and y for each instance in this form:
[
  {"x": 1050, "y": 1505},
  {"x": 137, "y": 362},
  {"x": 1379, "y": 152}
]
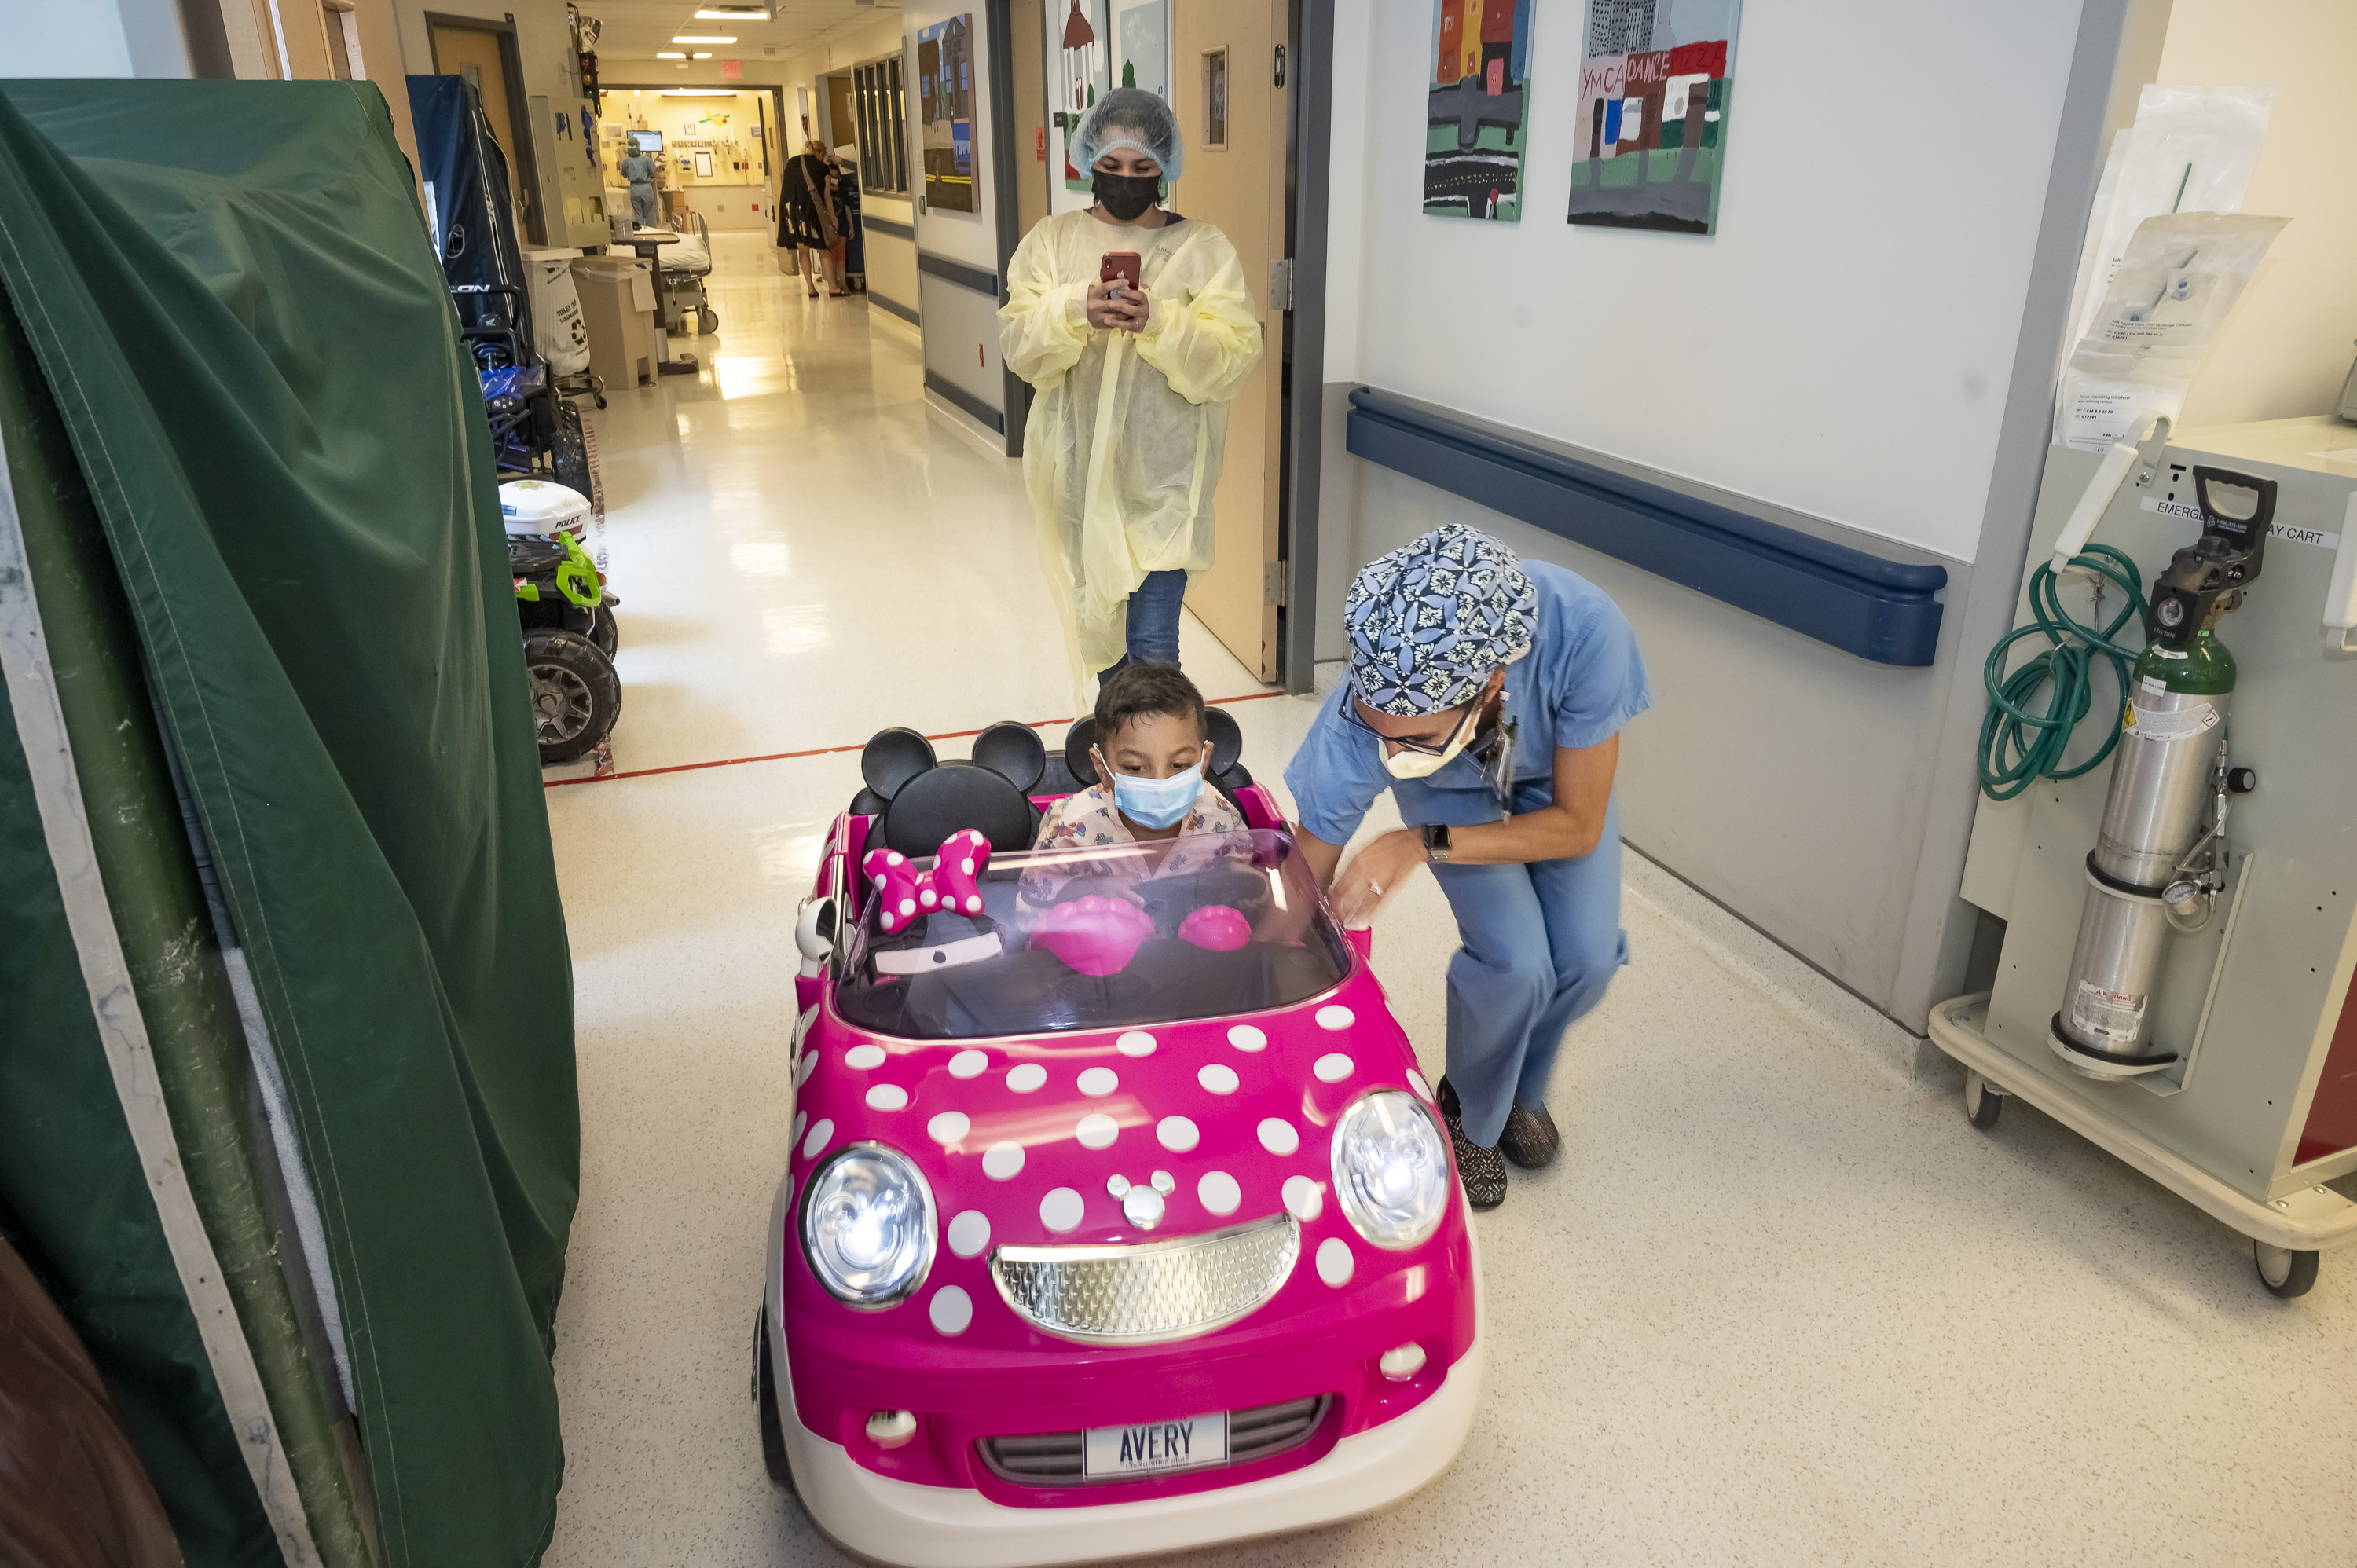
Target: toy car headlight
[
  {"x": 868, "y": 1226},
  {"x": 1390, "y": 1170}
]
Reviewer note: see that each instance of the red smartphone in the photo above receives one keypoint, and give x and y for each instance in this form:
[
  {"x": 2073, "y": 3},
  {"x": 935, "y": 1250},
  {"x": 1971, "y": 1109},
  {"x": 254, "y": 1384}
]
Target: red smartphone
[{"x": 1120, "y": 265}]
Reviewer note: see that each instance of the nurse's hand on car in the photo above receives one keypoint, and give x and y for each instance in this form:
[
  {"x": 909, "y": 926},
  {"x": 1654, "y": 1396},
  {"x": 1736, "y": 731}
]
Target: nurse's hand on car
[{"x": 1375, "y": 873}]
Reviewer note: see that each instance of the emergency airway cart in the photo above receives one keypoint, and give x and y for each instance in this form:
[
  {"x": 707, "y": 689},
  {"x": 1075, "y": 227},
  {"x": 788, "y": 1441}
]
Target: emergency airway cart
[{"x": 2231, "y": 1077}]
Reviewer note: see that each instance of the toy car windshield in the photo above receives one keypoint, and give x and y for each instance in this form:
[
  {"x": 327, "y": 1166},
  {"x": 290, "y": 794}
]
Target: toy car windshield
[{"x": 1097, "y": 938}]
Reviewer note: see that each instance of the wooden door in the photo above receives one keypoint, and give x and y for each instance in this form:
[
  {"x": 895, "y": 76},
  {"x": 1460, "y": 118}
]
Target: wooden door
[
  {"x": 842, "y": 125},
  {"x": 1232, "y": 114},
  {"x": 474, "y": 54}
]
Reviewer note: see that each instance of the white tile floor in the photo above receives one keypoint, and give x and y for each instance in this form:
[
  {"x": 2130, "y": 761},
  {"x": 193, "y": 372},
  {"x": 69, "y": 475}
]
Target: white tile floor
[{"x": 1777, "y": 1303}]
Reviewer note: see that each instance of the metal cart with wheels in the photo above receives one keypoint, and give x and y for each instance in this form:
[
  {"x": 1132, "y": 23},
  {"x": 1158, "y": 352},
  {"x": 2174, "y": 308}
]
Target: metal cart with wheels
[
  {"x": 2244, "y": 1097},
  {"x": 2286, "y": 1232}
]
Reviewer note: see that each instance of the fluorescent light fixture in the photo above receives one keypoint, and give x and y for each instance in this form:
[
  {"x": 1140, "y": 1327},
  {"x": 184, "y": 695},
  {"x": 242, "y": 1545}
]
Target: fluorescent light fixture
[
  {"x": 699, "y": 93},
  {"x": 669, "y": 54},
  {"x": 703, "y": 39},
  {"x": 704, "y": 54},
  {"x": 733, "y": 14}
]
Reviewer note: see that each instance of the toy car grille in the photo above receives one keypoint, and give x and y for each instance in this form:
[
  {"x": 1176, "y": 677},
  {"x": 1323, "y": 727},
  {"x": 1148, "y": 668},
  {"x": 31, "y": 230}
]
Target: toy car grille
[
  {"x": 1055, "y": 1458},
  {"x": 1144, "y": 1294}
]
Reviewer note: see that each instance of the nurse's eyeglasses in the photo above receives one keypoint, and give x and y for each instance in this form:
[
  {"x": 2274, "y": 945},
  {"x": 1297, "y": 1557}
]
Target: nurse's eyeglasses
[{"x": 1429, "y": 748}]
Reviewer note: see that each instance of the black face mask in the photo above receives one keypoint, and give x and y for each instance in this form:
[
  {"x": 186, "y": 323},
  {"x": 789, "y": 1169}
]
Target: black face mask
[{"x": 1125, "y": 195}]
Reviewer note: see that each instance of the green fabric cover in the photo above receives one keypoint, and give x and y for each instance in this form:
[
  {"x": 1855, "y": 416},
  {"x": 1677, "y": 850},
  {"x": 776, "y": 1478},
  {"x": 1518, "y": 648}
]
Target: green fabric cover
[
  {"x": 71, "y": 1193},
  {"x": 232, "y": 296}
]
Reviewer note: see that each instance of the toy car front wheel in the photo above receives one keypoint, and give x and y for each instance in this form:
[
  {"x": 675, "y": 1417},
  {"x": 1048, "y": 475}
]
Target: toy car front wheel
[
  {"x": 576, "y": 695},
  {"x": 765, "y": 1409},
  {"x": 602, "y": 630}
]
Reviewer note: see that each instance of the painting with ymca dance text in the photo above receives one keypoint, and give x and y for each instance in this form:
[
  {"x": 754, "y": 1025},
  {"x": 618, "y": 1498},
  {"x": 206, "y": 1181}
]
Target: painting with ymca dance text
[{"x": 1650, "y": 137}]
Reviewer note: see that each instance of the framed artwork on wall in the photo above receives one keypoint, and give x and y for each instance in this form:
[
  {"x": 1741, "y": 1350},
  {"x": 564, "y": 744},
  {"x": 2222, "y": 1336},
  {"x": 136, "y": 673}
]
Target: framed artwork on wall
[
  {"x": 1477, "y": 109},
  {"x": 1084, "y": 47},
  {"x": 1650, "y": 136},
  {"x": 945, "y": 104},
  {"x": 1142, "y": 40}
]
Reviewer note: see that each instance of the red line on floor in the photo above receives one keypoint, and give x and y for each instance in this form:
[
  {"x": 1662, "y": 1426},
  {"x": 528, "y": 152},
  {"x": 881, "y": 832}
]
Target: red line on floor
[{"x": 829, "y": 750}]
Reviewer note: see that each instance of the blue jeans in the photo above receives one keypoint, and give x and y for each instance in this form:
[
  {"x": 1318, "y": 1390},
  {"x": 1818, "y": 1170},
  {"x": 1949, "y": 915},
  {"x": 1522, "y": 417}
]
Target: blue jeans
[
  {"x": 1154, "y": 620},
  {"x": 1541, "y": 942}
]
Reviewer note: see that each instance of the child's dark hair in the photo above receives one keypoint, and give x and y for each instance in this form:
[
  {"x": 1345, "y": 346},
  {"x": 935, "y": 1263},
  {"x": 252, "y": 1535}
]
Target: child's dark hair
[{"x": 1135, "y": 691}]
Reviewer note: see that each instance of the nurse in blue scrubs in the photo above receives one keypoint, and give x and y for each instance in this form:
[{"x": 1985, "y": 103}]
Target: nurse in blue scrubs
[
  {"x": 639, "y": 168},
  {"x": 1488, "y": 694}
]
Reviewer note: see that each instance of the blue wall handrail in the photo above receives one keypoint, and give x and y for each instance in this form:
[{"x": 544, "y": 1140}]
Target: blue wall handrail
[
  {"x": 958, "y": 272},
  {"x": 1868, "y": 605}
]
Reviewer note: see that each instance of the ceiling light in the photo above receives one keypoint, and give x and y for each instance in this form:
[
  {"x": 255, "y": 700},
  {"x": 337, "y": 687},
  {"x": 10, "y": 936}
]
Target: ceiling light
[
  {"x": 669, "y": 54},
  {"x": 733, "y": 14},
  {"x": 702, "y": 38},
  {"x": 703, "y": 54},
  {"x": 699, "y": 93}
]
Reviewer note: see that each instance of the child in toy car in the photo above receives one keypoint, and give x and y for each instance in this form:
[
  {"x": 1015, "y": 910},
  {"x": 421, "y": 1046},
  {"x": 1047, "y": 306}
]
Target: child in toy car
[{"x": 1101, "y": 1234}]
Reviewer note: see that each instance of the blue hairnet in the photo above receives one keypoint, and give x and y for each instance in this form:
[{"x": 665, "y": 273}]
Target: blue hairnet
[{"x": 1134, "y": 118}]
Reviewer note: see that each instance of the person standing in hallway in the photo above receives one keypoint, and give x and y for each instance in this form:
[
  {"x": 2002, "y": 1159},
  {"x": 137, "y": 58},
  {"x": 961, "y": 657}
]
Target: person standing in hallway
[
  {"x": 806, "y": 219},
  {"x": 1488, "y": 694},
  {"x": 638, "y": 166},
  {"x": 843, "y": 190},
  {"x": 1121, "y": 452}
]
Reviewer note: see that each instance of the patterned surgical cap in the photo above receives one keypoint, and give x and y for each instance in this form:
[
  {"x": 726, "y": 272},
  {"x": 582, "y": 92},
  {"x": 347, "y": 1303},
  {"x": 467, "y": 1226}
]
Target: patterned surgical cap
[{"x": 1429, "y": 621}]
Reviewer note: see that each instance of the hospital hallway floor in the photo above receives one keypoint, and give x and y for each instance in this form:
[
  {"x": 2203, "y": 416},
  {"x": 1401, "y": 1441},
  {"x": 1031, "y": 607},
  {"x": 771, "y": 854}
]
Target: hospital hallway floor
[{"x": 1777, "y": 1302}]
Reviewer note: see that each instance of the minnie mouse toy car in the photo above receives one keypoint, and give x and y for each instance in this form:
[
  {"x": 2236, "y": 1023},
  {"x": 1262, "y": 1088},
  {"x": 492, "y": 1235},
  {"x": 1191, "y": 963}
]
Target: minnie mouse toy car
[{"x": 1118, "y": 1218}]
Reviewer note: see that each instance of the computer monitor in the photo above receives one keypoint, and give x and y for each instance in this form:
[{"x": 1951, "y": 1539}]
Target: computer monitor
[{"x": 647, "y": 141}]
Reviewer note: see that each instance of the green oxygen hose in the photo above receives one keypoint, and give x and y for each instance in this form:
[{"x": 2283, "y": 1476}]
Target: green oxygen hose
[{"x": 2020, "y": 748}]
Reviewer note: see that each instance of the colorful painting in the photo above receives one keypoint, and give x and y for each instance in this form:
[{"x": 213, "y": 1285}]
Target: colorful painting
[
  {"x": 945, "y": 102},
  {"x": 1480, "y": 108},
  {"x": 1084, "y": 53},
  {"x": 1142, "y": 37},
  {"x": 1651, "y": 134}
]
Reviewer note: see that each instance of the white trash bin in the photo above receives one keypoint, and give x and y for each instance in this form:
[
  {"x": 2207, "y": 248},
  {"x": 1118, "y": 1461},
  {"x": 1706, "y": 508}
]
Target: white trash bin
[{"x": 558, "y": 331}]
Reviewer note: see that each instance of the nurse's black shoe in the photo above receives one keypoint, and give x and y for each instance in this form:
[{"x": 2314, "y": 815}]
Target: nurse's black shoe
[
  {"x": 1530, "y": 1139},
  {"x": 1481, "y": 1171}
]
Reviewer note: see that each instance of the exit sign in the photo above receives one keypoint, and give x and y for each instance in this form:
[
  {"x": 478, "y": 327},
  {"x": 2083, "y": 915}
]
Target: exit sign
[{"x": 732, "y": 69}]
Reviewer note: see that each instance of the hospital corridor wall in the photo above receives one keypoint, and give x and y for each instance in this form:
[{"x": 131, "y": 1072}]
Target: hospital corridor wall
[{"x": 1822, "y": 794}]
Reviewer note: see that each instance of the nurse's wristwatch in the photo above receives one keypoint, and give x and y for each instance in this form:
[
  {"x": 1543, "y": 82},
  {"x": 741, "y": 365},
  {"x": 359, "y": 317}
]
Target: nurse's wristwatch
[{"x": 1435, "y": 842}]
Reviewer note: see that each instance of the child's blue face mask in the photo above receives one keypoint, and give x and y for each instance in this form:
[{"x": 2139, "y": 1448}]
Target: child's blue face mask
[
  {"x": 1154, "y": 802},
  {"x": 1157, "y": 802}
]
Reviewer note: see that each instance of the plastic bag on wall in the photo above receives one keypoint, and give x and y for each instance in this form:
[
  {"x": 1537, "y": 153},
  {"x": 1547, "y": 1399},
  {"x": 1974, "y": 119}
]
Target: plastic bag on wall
[
  {"x": 2191, "y": 150},
  {"x": 2157, "y": 324}
]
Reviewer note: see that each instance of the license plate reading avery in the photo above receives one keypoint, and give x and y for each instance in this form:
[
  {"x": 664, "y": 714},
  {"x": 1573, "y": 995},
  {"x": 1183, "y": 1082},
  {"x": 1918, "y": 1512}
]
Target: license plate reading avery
[{"x": 1145, "y": 1448}]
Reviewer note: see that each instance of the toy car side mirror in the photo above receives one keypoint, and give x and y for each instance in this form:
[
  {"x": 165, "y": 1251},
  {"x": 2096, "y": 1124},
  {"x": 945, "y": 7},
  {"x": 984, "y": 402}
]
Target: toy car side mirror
[{"x": 814, "y": 932}]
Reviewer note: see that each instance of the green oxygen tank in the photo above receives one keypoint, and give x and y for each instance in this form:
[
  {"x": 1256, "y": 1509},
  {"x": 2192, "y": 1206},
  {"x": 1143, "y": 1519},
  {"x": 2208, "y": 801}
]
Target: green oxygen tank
[{"x": 2172, "y": 757}]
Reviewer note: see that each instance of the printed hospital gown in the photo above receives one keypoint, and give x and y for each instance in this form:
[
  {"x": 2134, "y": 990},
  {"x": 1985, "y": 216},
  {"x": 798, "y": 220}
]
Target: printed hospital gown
[{"x": 1213, "y": 831}]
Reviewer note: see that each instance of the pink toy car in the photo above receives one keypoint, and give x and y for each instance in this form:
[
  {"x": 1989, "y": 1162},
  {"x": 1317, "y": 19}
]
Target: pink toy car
[{"x": 1117, "y": 1219}]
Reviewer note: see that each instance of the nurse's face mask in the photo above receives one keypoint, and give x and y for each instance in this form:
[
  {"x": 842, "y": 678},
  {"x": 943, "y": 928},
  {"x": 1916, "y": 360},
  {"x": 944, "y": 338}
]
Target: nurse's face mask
[
  {"x": 1420, "y": 756},
  {"x": 1125, "y": 195},
  {"x": 1410, "y": 761}
]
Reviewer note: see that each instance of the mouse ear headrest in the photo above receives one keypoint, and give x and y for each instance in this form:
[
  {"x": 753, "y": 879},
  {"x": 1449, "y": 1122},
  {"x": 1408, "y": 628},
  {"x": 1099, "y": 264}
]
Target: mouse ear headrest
[
  {"x": 1012, "y": 751},
  {"x": 892, "y": 757},
  {"x": 1077, "y": 741},
  {"x": 1226, "y": 738}
]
